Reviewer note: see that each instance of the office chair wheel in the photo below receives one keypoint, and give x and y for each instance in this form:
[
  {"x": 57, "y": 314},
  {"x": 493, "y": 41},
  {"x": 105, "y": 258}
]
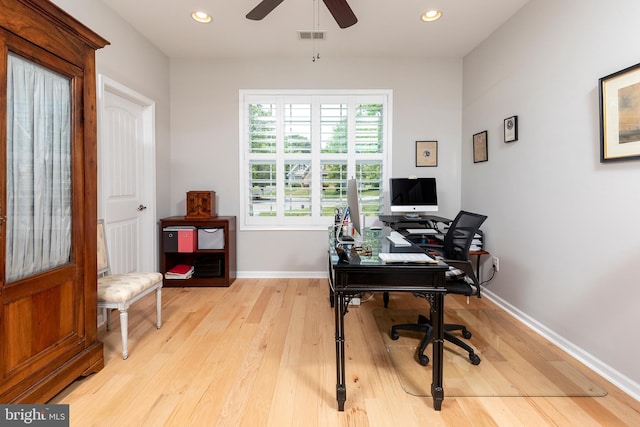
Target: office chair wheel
[
  {"x": 394, "y": 335},
  {"x": 466, "y": 334},
  {"x": 475, "y": 360},
  {"x": 424, "y": 360}
]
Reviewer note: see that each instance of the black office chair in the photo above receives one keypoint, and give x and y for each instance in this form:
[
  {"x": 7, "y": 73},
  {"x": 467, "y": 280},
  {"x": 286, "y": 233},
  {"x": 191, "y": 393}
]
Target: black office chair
[{"x": 460, "y": 279}]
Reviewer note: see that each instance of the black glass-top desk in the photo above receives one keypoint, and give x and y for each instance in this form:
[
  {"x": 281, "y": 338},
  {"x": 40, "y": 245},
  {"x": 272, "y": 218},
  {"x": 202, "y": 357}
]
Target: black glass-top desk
[{"x": 354, "y": 274}]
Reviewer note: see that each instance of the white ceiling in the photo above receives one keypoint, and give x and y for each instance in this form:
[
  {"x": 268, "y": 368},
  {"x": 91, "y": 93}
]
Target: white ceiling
[{"x": 384, "y": 28}]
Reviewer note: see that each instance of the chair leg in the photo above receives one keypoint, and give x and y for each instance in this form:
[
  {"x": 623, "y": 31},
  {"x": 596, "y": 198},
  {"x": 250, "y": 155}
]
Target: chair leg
[
  {"x": 107, "y": 312},
  {"x": 450, "y": 327},
  {"x": 424, "y": 326},
  {"x": 159, "y": 308},
  {"x": 423, "y": 359},
  {"x": 414, "y": 327},
  {"x": 473, "y": 357},
  {"x": 124, "y": 330}
]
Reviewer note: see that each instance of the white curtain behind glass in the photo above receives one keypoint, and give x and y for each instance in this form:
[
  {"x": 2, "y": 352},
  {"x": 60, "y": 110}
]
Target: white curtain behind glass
[{"x": 38, "y": 207}]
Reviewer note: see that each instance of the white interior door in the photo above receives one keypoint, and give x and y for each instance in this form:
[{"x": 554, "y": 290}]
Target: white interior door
[{"x": 127, "y": 177}]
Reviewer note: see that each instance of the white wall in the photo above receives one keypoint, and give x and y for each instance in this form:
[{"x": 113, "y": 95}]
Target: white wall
[
  {"x": 427, "y": 96},
  {"x": 134, "y": 62},
  {"x": 565, "y": 226}
]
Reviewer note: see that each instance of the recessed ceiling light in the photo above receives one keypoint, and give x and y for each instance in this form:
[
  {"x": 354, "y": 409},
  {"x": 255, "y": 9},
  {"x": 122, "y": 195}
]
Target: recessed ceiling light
[
  {"x": 431, "y": 15},
  {"x": 201, "y": 17}
]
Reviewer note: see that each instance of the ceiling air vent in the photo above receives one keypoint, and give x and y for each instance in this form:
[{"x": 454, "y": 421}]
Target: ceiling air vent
[{"x": 312, "y": 35}]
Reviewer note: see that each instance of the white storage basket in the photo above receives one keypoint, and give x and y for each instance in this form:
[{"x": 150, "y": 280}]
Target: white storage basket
[{"x": 210, "y": 238}]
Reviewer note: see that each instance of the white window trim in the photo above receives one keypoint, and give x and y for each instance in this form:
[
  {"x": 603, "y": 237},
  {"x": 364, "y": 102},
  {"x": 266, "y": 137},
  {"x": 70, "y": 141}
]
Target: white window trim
[{"x": 247, "y": 97}]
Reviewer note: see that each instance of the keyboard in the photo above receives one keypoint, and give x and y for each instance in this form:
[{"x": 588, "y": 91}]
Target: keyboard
[
  {"x": 398, "y": 239},
  {"x": 398, "y": 257},
  {"x": 422, "y": 231}
]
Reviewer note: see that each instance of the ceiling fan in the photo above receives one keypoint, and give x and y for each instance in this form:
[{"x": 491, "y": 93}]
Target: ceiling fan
[{"x": 340, "y": 10}]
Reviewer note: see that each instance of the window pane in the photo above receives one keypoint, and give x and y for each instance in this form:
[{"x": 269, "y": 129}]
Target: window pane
[
  {"x": 369, "y": 176},
  {"x": 297, "y": 128},
  {"x": 368, "y": 128},
  {"x": 297, "y": 193},
  {"x": 263, "y": 189},
  {"x": 333, "y": 128},
  {"x": 262, "y": 128},
  {"x": 334, "y": 187}
]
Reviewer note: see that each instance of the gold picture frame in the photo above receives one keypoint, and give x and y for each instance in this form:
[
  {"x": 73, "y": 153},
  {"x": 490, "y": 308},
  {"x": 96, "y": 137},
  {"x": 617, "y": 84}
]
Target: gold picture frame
[
  {"x": 426, "y": 153},
  {"x": 480, "y": 151},
  {"x": 620, "y": 115}
]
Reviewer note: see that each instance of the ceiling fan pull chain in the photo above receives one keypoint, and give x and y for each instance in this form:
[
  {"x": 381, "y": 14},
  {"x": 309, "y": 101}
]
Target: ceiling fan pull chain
[
  {"x": 313, "y": 29},
  {"x": 316, "y": 30}
]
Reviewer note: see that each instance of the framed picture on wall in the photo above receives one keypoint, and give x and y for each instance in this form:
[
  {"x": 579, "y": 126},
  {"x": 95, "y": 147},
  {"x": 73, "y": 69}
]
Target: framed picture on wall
[
  {"x": 426, "y": 153},
  {"x": 511, "y": 129},
  {"x": 480, "y": 153},
  {"x": 620, "y": 115}
]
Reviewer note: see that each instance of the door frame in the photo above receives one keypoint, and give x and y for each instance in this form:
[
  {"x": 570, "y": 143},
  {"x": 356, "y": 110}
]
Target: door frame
[{"x": 149, "y": 235}]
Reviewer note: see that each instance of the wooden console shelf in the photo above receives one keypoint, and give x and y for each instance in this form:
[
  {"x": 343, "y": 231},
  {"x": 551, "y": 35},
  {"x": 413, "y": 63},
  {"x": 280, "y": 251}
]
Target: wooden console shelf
[{"x": 214, "y": 267}]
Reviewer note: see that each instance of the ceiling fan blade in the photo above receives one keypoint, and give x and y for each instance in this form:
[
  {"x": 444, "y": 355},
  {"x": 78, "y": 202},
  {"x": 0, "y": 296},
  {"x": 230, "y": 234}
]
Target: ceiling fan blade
[
  {"x": 263, "y": 9},
  {"x": 341, "y": 12}
]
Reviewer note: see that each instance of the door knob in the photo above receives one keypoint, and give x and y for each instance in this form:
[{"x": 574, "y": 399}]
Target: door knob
[{"x": 142, "y": 207}]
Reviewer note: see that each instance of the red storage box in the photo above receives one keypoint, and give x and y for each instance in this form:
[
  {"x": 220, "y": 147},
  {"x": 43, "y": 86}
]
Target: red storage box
[{"x": 187, "y": 240}]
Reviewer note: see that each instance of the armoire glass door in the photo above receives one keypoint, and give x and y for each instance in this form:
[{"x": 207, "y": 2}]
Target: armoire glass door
[{"x": 38, "y": 209}]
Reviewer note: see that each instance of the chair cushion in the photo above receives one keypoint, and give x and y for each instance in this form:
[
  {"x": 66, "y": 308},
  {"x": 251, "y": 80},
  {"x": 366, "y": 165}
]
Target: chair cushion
[
  {"x": 123, "y": 287},
  {"x": 454, "y": 274},
  {"x": 460, "y": 287}
]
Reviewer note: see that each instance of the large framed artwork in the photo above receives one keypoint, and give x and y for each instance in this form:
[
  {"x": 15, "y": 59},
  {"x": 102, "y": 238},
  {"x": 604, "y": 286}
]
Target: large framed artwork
[{"x": 620, "y": 115}]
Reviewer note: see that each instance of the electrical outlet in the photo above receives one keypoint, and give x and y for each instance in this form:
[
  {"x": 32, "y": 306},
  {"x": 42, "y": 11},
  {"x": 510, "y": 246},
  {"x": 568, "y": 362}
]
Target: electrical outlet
[{"x": 496, "y": 263}]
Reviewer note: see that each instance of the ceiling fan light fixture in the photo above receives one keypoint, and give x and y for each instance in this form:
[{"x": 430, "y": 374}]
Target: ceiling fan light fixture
[
  {"x": 202, "y": 17},
  {"x": 431, "y": 15}
]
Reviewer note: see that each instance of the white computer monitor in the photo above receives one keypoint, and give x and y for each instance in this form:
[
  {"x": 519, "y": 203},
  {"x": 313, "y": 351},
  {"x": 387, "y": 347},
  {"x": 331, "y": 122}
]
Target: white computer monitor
[
  {"x": 413, "y": 196},
  {"x": 353, "y": 203}
]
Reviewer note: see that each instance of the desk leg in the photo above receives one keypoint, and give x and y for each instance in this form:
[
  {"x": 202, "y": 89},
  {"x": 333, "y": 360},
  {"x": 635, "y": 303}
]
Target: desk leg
[
  {"x": 437, "y": 322},
  {"x": 341, "y": 389}
]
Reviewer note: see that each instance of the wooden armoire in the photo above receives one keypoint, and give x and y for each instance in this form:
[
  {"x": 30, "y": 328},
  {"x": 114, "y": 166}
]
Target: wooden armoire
[{"x": 48, "y": 201}]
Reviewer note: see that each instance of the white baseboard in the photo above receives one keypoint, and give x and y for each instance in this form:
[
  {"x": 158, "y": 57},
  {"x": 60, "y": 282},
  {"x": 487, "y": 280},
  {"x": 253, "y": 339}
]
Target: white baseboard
[
  {"x": 282, "y": 274},
  {"x": 623, "y": 382}
]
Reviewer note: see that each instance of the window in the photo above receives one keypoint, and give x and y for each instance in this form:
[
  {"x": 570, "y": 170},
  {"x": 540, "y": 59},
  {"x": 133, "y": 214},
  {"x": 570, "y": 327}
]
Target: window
[{"x": 299, "y": 148}]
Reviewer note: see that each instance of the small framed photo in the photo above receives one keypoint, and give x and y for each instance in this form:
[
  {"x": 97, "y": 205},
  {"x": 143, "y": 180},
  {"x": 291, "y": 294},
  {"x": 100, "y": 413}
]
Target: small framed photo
[
  {"x": 511, "y": 129},
  {"x": 619, "y": 114},
  {"x": 480, "y": 153},
  {"x": 426, "y": 153}
]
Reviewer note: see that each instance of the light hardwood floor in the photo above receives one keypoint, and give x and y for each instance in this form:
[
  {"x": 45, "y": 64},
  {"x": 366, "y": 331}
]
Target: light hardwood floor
[{"x": 262, "y": 353}]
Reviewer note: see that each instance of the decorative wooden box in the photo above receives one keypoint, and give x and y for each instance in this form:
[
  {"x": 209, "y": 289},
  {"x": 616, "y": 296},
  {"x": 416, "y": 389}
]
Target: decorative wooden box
[{"x": 201, "y": 204}]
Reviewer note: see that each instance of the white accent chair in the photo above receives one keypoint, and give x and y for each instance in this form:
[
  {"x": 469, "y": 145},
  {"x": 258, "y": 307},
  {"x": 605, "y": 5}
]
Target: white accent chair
[{"x": 121, "y": 290}]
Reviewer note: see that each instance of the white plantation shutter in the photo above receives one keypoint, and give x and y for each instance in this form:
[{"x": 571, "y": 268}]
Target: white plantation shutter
[{"x": 298, "y": 149}]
